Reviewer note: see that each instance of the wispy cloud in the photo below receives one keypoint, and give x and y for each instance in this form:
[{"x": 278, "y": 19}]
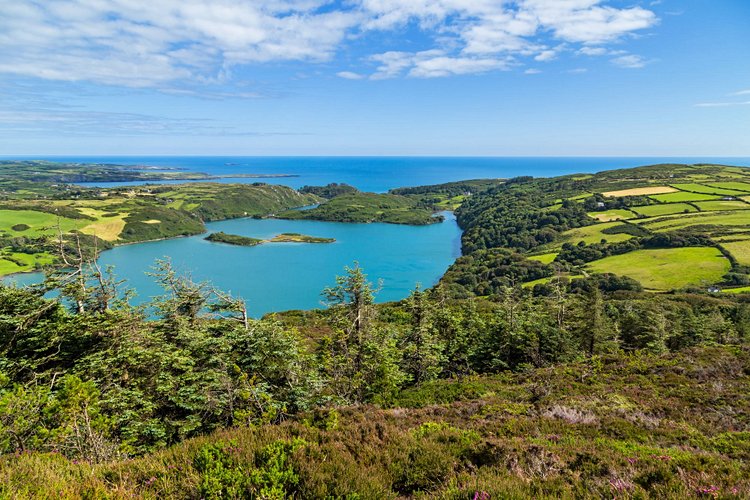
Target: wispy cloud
[
  {"x": 630, "y": 61},
  {"x": 30, "y": 115},
  {"x": 191, "y": 43},
  {"x": 726, "y": 104},
  {"x": 349, "y": 75},
  {"x": 722, "y": 104}
]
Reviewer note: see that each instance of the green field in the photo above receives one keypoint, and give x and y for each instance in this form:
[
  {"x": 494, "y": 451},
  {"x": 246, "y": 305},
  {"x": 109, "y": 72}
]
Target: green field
[
  {"x": 681, "y": 197},
  {"x": 735, "y": 218},
  {"x": 15, "y": 262},
  {"x": 542, "y": 281},
  {"x": 738, "y": 186},
  {"x": 667, "y": 269},
  {"x": 701, "y": 188},
  {"x": 592, "y": 234},
  {"x": 612, "y": 215},
  {"x": 744, "y": 289},
  {"x": 664, "y": 209},
  {"x": 721, "y": 205},
  {"x": 544, "y": 258},
  {"x": 39, "y": 222},
  {"x": 740, "y": 250}
]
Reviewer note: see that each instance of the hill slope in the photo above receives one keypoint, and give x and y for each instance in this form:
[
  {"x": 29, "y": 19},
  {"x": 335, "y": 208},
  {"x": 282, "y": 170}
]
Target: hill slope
[{"x": 637, "y": 426}]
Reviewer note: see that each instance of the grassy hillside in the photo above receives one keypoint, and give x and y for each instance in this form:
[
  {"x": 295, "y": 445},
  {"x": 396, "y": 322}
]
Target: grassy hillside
[
  {"x": 31, "y": 226},
  {"x": 673, "y": 426},
  {"x": 612, "y": 222}
]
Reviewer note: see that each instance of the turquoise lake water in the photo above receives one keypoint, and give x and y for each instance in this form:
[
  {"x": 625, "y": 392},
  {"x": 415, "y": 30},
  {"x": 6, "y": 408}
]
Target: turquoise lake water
[{"x": 282, "y": 276}]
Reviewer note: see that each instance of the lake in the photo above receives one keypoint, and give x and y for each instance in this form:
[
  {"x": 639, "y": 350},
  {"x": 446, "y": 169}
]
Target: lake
[{"x": 282, "y": 276}]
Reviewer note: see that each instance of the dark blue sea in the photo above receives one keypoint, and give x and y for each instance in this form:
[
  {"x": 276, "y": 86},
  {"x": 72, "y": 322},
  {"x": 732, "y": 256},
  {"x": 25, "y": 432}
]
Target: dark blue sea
[{"x": 379, "y": 174}]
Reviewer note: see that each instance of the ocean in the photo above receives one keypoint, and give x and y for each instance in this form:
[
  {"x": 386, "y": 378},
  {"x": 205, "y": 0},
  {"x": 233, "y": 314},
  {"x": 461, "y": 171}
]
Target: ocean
[{"x": 378, "y": 174}]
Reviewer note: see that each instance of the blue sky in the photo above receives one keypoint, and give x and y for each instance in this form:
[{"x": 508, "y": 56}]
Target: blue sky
[{"x": 375, "y": 77}]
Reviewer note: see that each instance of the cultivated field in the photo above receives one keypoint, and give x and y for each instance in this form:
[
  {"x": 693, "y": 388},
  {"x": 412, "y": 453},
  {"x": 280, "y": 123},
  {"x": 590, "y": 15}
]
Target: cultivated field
[
  {"x": 740, "y": 250},
  {"x": 735, "y": 218},
  {"x": 612, "y": 215},
  {"x": 592, "y": 234},
  {"x": 664, "y": 209},
  {"x": 643, "y": 191},
  {"x": 667, "y": 268},
  {"x": 738, "y": 186},
  {"x": 681, "y": 196},
  {"x": 706, "y": 189},
  {"x": 715, "y": 206}
]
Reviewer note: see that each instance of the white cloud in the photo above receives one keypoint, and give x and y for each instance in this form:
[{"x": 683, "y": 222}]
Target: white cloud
[
  {"x": 630, "y": 61},
  {"x": 433, "y": 67},
  {"x": 349, "y": 75},
  {"x": 138, "y": 44},
  {"x": 587, "y": 21},
  {"x": 742, "y": 92},
  {"x": 546, "y": 55},
  {"x": 192, "y": 42},
  {"x": 593, "y": 51},
  {"x": 432, "y": 64},
  {"x": 532, "y": 71}
]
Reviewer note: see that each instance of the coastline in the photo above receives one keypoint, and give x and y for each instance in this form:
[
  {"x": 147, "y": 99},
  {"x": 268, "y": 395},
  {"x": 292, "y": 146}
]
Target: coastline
[{"x": 205, "y": 231}]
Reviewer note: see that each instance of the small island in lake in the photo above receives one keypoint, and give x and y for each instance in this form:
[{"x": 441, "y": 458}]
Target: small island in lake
[
  {"x": 299, "y": 238},
  {"x": 233, "y": 239},
  {"x": 244, "y": 241}
]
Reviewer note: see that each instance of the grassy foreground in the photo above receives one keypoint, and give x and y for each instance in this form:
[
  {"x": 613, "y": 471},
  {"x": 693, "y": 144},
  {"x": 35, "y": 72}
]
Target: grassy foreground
[{"x": 638, "y": 426}]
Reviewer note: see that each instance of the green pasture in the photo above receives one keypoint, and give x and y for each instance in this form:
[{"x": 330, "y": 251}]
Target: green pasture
[
  {"x": 22, "y": 262},
  {"x": 592, "y": 234},
  {"x": 664, "y": 209},
  {"x": 667, "y": 268},
  {"x": 722, "y": 205},
  {"x": 733, "y": 218},
  {"x": 701, "y": 188},
  {"x": 740, "y": 250},
  {"x": 40, "y": 223},
  {"x": 612, "y": 215},
  {"x": 545, "y": 258},
  {"x": 681, "y": 196},
  {"x": 737, "y": 186}
]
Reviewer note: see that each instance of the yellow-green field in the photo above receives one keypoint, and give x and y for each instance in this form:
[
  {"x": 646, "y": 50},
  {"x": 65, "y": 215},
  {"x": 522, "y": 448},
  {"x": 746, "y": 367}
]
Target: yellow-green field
[
  {"x": 702, "y": 188},
  {"x": 612, "y": 215},
  {"x": 738, "y": 186},
  {"x": 642, "y": 191},
  {"x": 541, "y": 281},
  {"x": 39, "y": 222},
  {"x": 21, "y": 262},
  {"x": 735, "y": 218},
  {"x": 682, "y": 196},
  {"x": 592, "y": 234},
  {"x": 740, "y": 250},
  {"x": 715, "y": 206},
  {"x": 545, "y": 258},
  {"x": 664, "y": 209},
  {"x": 744, "y": 289},
  {"x": 668, "y": 268}
]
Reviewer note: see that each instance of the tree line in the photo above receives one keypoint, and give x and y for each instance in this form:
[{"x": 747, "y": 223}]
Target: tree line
[{"x": 90, "y": 376}]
